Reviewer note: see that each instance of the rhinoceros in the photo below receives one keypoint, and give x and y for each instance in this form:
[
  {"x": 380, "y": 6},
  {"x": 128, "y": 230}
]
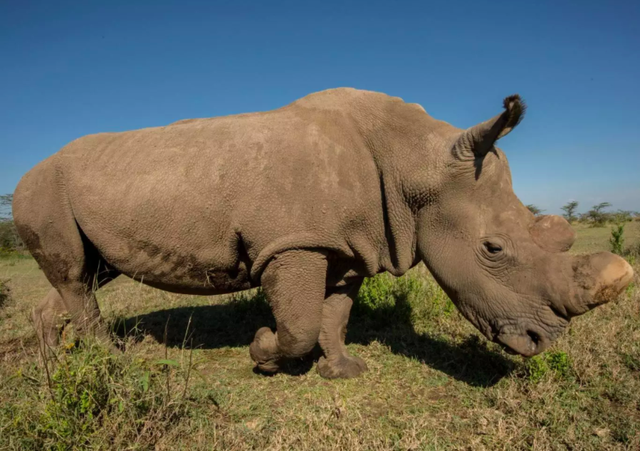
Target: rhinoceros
[{"x": 306, "y": 201}]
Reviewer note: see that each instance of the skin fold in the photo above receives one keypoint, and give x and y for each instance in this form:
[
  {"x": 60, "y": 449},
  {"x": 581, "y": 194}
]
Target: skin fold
[{"x": 306, "y": 201}]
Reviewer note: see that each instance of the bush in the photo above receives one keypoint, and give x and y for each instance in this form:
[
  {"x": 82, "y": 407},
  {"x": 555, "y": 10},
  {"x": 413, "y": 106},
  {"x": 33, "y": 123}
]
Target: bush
[
  {"x": 621, "y": 216},
  {"x": 389, "y": 300},
  {"x": 551, "y": 364},
  {"x": 9, "y": 238},
  {"x": 4, "y": 293}
]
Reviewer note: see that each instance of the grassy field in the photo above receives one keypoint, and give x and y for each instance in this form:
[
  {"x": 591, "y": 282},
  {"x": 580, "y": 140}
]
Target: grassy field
[{"x": 185, "y": 379}]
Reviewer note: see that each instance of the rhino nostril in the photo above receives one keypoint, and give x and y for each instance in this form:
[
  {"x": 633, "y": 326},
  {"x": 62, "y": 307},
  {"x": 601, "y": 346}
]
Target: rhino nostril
[{"x": 535, "y": 337}]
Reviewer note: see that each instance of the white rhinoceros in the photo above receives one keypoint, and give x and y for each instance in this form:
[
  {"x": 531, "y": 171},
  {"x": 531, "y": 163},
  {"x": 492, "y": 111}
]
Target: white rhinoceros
[{"x": 306, "y": 201}]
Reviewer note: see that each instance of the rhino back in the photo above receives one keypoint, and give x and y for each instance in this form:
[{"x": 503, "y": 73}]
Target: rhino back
[{"x": 207, "y": 196}]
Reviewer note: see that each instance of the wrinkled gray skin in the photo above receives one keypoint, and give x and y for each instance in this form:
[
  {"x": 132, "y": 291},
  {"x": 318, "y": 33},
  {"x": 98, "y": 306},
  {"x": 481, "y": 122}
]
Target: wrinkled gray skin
[{"x": 306, "y": 201}]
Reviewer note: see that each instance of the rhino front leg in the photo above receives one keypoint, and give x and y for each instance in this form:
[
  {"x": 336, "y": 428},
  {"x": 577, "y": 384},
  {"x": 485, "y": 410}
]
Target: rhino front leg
[
  {"x": 337, "y": 363},
  {"x": 294, "y": 283}
]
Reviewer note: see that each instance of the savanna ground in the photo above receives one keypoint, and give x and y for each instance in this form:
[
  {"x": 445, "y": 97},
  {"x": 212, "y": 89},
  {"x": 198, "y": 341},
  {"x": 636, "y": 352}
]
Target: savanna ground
[{"x": 185, "y": 379}]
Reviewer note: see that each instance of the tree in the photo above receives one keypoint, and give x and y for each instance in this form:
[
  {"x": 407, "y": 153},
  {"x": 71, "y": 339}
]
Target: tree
[
  {"x": 597, "y": 216},
  {"x": 5, "y": 206},
  {"x": 534, "y": 209},
  {"x": 9, "y": 238},
  {"x": 622, "y": 216},
  {"x": 570, "y": 210}
]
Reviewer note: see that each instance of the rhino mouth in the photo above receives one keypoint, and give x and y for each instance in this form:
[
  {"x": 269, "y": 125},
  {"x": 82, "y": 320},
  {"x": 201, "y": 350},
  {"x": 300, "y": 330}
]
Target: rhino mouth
[{"x": 526, "y": 344}]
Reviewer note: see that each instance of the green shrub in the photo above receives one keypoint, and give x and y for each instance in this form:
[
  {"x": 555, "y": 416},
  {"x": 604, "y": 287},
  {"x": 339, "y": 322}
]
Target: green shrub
[
  {"x": 4, "y": 292},
  {"x": 389, "y": 300},
  {"x": 9, "y": 238},
  {"x": 632, "y": 253},
  {"x": 559, "y": 362},
  {"x": 536, "y": 368},
  {"x": 551, "y": 364}
]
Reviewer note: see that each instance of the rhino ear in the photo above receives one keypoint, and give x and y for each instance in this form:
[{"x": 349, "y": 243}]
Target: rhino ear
[{"x": 476, "y": 141}]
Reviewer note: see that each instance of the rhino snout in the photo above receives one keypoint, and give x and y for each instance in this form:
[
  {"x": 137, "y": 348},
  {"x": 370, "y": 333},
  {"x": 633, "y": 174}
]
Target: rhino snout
[{"x": 527, "y": 344}]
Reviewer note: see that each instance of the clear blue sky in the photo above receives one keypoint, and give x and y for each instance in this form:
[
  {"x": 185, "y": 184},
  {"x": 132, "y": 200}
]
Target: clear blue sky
[{"x": 72, "y": 68}]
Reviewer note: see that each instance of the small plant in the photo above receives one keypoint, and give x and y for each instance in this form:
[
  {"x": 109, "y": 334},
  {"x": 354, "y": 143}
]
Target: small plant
[
  {"x": 556, "y": 363},
  {"x": 560, "y": 363},
  {"x": 535, "y": 369},
  {"x": 617, "y": 238}
]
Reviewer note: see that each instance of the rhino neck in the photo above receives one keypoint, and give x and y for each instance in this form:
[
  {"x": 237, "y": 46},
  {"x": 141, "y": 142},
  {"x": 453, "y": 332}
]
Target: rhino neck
[
  {"x": 397, "y": 253},
  {"x": 411, "y": 151}
]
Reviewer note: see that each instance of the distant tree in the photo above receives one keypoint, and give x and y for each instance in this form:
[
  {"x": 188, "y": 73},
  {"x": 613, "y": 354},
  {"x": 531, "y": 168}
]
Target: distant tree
[
  {"x": 5, "y": 206},
  {"x": 622, "y": 216},
  {"x": 597, "y": 217},
  {"x": 570, "y": 211},
  {"x": 9, "y": 238},
  {"x": 534, "y": 209}
]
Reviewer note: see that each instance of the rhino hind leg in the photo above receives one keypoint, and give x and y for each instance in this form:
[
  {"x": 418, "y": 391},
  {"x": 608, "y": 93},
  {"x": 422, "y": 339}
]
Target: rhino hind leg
[
  {"x": 45, "y": 222},
  {"x": 72, "y": 298},
  {"x": 294, "y": 283},
  {"x": 49, "y": 319},
  {"x": 337, "y": 363}
]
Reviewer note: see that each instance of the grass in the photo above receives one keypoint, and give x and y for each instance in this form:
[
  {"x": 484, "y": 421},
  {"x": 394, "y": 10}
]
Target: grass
[
  {"x": 595, "y": 239},
  {"x": 185, "y": 379}
]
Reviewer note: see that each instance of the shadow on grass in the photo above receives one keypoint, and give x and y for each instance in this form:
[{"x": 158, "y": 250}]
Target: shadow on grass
[{"x": 235, "y": 323}]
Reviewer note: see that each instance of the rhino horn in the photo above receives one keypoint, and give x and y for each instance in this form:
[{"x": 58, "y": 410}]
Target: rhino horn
[
  {"x": 552, "y": 233},
  {"x": 603, "y": 276},
  {"x": 476, "y": 141}
]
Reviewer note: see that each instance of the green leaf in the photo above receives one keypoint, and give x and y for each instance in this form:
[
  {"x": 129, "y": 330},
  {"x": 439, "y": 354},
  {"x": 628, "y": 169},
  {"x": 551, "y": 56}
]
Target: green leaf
[
  {"x": 167, "y": 362},
  {"x": 145, "y": 381}
]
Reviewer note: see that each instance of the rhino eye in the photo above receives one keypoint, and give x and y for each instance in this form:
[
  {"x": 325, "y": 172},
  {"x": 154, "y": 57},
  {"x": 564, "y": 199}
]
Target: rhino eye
[{"x": 492, "y": 248}]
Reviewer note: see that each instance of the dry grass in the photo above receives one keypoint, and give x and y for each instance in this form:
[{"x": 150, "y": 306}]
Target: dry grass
[{"x": 433, "y": 383}]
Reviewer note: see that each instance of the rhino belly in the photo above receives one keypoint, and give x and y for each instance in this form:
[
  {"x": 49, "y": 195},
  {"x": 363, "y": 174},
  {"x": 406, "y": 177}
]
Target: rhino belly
[
  {"x": 176, "y": 265},
  {"x": 168, "y": 245}
]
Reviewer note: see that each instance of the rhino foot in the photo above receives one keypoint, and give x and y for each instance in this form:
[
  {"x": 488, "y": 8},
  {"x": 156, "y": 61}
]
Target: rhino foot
[{"x": 343, "y": 367}]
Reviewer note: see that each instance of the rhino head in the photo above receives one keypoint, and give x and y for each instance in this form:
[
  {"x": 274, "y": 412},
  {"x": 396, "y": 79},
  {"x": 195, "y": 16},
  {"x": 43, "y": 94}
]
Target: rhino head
[{"x": 508, "y": 271}]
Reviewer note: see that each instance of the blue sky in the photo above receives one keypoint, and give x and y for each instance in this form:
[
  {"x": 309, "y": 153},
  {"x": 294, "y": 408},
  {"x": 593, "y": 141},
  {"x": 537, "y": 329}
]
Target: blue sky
[{"x": 74, "y": 68}]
